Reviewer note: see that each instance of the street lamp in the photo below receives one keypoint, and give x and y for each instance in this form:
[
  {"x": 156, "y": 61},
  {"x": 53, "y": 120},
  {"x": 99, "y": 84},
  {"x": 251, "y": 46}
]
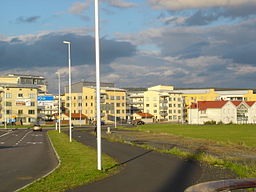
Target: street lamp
[
  {"x": 97, "y": 58},
  {"x": 58, "y": 73},
  {"x": 69, "y": 83}
]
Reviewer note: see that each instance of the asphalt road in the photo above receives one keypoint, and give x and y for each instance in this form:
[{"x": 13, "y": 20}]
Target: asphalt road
[
  {"x": 143, "y": 170},
  {"x": 24, "y": 156}
]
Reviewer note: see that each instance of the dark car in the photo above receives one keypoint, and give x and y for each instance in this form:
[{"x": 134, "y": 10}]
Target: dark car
[{"x": 138, "y": 122}]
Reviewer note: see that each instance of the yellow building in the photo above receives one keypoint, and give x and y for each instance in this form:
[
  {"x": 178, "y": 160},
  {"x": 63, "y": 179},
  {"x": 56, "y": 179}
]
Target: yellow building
[
  {"x": 26, "y": 80},
  {"x": 165, "y": 104},
  {"x": 18, "y": 103},
  {"x": 113, "y": 103}
]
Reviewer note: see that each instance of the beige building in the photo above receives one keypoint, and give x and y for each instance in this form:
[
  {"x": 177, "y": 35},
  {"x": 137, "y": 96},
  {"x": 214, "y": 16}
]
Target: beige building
[
  {"x": 165, "y": 104},
  {"x": 113, "y": 103},
  {"x": 135, "y": 103},
  {"x": 26, "y": 80},
  {"x": 18, "y": 103}
]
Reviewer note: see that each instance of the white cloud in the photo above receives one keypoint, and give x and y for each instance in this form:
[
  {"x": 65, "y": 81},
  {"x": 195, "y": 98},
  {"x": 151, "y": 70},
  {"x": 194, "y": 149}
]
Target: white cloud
[
  {"x": 120, "y": 3},
  {"x": 79, "y": 7},
  {"x": 197, "y": 4}
]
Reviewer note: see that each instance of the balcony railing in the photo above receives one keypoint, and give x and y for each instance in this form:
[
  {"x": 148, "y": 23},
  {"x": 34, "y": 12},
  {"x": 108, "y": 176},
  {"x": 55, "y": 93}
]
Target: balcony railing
[
  {"x": 164, "y": 101},
  {"x": 163, "y": 114},
  {"x": 164, "y": 108}
]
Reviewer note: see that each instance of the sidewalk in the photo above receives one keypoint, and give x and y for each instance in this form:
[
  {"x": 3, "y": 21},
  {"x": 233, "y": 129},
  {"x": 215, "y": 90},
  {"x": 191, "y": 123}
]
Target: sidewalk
[{"x": 147, "y": 170}]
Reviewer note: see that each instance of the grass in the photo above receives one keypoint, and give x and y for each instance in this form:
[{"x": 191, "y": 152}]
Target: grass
[
  {"x": 78, "y": 166},
  {"x": 237, "y": 134}
]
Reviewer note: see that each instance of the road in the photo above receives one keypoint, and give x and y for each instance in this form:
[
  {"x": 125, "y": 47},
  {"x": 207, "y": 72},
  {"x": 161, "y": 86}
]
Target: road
[
  {"x": 143, "y": 170},
  {"x": 24, "y": 156}
]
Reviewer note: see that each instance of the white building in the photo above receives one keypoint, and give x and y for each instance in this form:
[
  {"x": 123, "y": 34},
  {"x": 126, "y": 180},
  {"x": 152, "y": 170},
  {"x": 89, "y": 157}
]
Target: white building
[{"x": 238, "y": 112}]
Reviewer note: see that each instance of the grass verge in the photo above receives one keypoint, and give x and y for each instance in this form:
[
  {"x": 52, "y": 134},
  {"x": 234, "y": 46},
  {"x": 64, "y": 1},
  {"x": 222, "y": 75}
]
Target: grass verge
[
  {"x": 78, "y": 166},
  {"x": 241, "y": 169}
]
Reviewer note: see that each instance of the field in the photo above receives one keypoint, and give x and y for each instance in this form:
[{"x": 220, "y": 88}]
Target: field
[{"x": 237, "y": 134}]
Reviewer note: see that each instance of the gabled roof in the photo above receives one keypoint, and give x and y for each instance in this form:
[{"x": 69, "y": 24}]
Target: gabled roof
[
  {"x": 145, "y": 115},
  {"x": 203, "y": 105}
]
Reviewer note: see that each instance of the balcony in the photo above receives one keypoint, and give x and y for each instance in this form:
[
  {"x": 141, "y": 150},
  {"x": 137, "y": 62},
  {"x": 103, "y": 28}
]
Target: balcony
[
  {"x": 164, "y": 101},
  {"x": 163, "y": 113},
  {"x": 164, "y": 108}
]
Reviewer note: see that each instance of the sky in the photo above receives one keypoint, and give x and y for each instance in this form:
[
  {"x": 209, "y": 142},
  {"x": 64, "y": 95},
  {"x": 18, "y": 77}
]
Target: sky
[{"x": 185, "y": 43}]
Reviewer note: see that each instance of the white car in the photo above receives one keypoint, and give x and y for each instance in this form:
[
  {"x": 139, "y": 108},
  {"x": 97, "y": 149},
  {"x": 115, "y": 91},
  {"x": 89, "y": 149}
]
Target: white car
[{"x": 37, "y": 128}]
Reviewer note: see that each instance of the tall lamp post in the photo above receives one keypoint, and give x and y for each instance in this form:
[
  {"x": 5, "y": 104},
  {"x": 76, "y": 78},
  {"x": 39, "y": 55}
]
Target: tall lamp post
[
  {"x": 5, "y": 123},
  {"x": 97, "y": 59},
  {"x": 58, "y": 73},
  {"x": 69, "y": 87}
]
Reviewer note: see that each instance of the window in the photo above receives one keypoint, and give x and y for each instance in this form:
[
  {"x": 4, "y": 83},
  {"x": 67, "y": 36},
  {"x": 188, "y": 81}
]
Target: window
[
  {"x": 91, "y": 97},
  {"x": 8, "y": 112},
  {"x": 80, "y": 104},
  {"x": 8, "y": 103},
  {"x": 170, "y": 111},
  {"x": 31, "y": 95},
  {"x": 179, "y": 111},
  {"x": 20, "y": 95},
  {"x": 170, "y": 117},
  {"x": 8, "y": 95},
  {"x": 91, "y": 104},
  {"x": 118, "y": 97},
  {"x": 118, "y": 104},
  {"x": 31, "y": 111},
  {"x": 32, "y": 103},
  {"x": 155, "y": 111},
  {"x": 20, "y": 112},
  {"x": 170, "y": 105},
  {"x": 80, "y": 97},
  {"x": 118, "y": 111},
  {"x": 155, "y": 105},
  {"x": 67, "y": 104},
  {"x": 179, "y": 105},
  {"x": 147, "y": 105}
]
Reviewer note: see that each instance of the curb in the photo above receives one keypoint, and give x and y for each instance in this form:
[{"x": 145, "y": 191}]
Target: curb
[{"x": 59, "y": 163}]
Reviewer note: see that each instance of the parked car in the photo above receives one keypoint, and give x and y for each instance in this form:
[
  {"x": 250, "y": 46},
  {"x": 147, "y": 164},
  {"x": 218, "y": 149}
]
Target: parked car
[
  {"x": 101, "y": 122},
  {"x": 138, "y": 122},
  {"x": 37, "y": 127}
]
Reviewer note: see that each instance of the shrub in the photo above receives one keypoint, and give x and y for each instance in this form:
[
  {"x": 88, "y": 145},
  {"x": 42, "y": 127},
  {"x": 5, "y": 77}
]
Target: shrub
[{"x": 210, "y": 122}]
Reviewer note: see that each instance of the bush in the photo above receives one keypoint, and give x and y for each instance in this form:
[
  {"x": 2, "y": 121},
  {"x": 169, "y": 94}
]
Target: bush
[{"x": 210, "y": 122}]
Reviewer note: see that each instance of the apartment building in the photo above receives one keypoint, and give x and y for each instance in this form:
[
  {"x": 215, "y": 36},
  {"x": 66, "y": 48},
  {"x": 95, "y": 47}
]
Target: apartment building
[
  {"x": 48, "y": 105},
  {"x": 165, "y": 104},
  {"x": 135, "y": 103},
  {"x": 18, "y": 103},
  {"x": 113, "y": 102},
  {"x": 20, "y": 79}
]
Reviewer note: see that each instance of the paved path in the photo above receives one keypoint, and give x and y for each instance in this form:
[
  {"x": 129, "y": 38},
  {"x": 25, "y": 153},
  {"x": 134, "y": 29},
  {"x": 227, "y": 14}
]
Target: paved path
[
  {"x": 143, "y": 170},
  {"x": 24, "y": 156}
]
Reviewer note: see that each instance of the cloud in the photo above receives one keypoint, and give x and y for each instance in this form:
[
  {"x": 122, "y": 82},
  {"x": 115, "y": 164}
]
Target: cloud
[
  {"x": 120, "y": 3},
  {"x": 31, "y": 19},
  {"x": 198, "y": 4},
  {"x": 79, "y": 7},
  {"x": 48, "y": 50}
]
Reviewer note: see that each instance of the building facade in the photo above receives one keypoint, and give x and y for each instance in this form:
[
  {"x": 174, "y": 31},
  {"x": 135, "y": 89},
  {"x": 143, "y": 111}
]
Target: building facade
[
  {"x": 238, "y": 112},
  {"x": 18, "y": 103}
]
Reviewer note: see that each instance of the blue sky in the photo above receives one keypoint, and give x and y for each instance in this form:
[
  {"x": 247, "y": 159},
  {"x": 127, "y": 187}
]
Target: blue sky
[{"x": 185, "y": 43}]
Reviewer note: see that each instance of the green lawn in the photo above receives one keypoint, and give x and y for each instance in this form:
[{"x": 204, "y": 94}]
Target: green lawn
[
  {"x": 78, "y": 166},
  {"x": 238, "y": 134}
]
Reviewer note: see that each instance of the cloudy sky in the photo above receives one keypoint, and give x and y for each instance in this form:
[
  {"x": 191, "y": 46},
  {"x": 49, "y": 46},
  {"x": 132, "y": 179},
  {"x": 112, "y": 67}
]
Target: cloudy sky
[{"x": 185, "y": 43}]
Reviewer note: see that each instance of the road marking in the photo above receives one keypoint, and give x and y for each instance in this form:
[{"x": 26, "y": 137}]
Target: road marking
[
  {"x": 34, "y": 143},
  {"x": 37, "y": 135},
  {"x": 23, "y": 138},
  {"x": 5, "y": 134}
]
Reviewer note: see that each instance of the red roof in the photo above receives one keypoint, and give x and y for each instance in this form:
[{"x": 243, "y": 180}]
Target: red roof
[
  {"x": 145, "y": 115},
  {"x": 75, "y": 115},
  {"x": 203, "y": 105},
  {"x": 250, "y": 103}
]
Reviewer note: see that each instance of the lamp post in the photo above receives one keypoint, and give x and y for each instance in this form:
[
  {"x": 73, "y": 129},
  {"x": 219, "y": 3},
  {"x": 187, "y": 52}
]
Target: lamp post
[
  {"x": 97, "y": 59},
  {"x": 69, "y": 84},
  {"x": 58, "y": 73},
  {"x": 5, "y": 124}
]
